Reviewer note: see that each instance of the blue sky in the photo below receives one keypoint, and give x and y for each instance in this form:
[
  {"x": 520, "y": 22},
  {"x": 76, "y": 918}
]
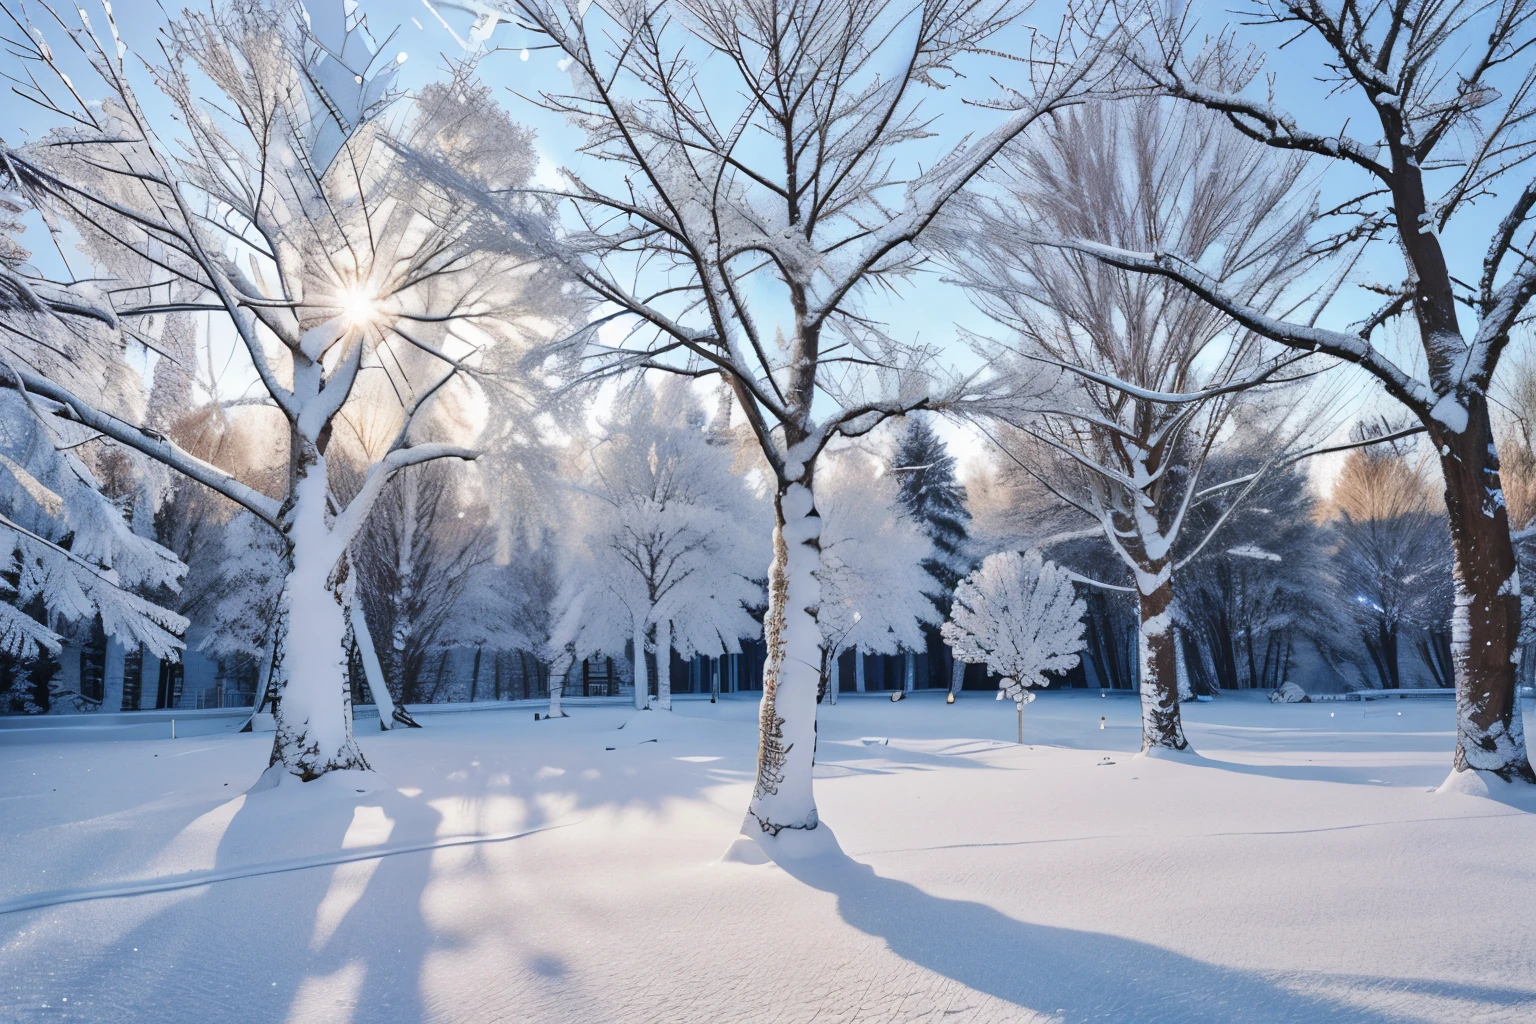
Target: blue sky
[{"x": 928, "y": 310}]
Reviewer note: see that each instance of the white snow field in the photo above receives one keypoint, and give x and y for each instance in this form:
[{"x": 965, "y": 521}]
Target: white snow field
[{"x": 501, "y": 869}]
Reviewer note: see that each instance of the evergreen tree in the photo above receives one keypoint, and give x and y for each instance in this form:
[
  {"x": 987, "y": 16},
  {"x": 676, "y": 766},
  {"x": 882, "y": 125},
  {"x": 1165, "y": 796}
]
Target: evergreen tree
[{"x": 934, "y": 500}]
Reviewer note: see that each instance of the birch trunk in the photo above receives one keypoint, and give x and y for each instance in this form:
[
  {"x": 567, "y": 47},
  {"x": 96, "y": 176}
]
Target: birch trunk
[
  {"x": 642, "y": 677},
  {"x": 557, "y": 673},
  {"x": 556, "y": 688},
  {"x": 405, "y": 575},
  {"x": 371, "y": 667},
  {"x": 1485, "y": 626},
  {"x": 1161, "y": 725},
  {"x": 782, "y": 796},
  {"x": 664, "y": 665},
  {"x": 314, "y": 707}
]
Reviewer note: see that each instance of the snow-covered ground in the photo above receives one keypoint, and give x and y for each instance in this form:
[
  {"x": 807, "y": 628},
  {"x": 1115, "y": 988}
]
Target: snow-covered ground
[{"x": 1308, "y": 871}]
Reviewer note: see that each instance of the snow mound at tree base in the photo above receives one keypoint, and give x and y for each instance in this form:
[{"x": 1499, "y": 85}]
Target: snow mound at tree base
[
  {"x": 744, "y": 850},
  {"x": 791, "y": 845},
  {"x": 339, "y": 783},
  {"x": 1185, "y": 756},
  {"x": 1475, "y": 782}
]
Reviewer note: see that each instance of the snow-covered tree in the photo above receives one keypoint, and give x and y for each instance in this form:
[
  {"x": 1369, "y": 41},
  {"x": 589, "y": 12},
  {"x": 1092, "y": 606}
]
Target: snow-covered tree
[
  {"x": 1021, "y": 617},
  {"x": 876, "y": 591},
  {"x": 69, "y": 553},
  {"x": 345, "y": 275},
  {"x": 236, "y": 562},
  {"x": 936, "y": 502},
  {"x": 1446, "y": 97},
  {"x": 671, "y": 541},
  {"x": 520, "y": 619},
  {"x": 771, "y": 167},
  {"x": 1128, "y": 379}
]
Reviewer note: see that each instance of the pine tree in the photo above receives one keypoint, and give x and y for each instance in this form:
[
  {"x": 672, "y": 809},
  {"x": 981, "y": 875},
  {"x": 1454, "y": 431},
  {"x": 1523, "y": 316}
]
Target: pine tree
[
  {"x": 933, "y": 499},
  {"x": 936, "y": 502}
]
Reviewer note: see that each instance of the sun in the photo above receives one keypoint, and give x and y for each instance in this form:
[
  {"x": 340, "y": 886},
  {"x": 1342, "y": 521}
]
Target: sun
[{"x": 357, "y": 306}]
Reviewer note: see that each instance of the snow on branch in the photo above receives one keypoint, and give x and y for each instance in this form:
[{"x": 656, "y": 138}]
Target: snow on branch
[
  {"x": 683, "y": 241},
  {"x": 141, "y": 439},
  {"x": 1306, "y": 337}
]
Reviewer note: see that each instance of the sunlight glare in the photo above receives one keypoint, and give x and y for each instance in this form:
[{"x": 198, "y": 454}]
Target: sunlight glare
[{"x": 357, "y": 306}]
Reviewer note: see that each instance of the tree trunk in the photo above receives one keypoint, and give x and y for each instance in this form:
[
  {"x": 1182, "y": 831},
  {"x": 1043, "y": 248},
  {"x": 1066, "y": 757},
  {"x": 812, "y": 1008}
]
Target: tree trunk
[
  {"x": 1490, "y": 735},
  {"x": 1161, "y": 725},
  {"x": 909, "y": 680},
  {"x": 714, "y": 678},
  {"x": 1186, "y": 690},
  {"x": 834, "y": 678},
  {"x": 557, "y": 673},
  {"x": 956, "y": 676},
  {"x": 112, "y": 676},
  {"x": 405, "y": 577},
  {"x": 858, "y": 670},
  {"x": 314, "y": 708},
  {"x": 782, "y": 796},
  {"x": 474, "y": 676},
  {"x": 642, "y": 676},
  {"x": 372, "y": 670},
  {"x": 664, "y": 664}
]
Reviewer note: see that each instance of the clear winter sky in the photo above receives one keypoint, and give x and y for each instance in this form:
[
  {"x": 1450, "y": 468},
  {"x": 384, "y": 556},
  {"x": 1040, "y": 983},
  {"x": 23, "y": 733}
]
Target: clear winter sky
[{"x": 929, "y": 310}]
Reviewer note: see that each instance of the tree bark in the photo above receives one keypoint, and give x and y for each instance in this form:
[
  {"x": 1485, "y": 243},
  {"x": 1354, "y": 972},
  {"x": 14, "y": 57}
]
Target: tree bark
[
  {"x": 1485, "y": 626},
  {"x": 858, "y": 670},
  {"x": 834, "y": 679},
  {"x": 956, "y": 676},
  {"x": 909, "y": 680},
  {"x": 314, "y": 708},
  {"x": 1161, "y": 724},
  {"x": 642, "y": 677},
  {"x": 782, "y": 797},
  {"x": 664, "y": 664}
]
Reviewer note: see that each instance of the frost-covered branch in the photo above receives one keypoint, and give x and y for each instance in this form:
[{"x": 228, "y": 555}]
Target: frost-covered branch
[{"x": 144, "y": 440}]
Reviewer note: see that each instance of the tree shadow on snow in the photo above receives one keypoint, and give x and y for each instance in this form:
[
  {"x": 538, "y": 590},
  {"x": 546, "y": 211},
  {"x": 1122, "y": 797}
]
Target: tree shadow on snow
[
  {"x": 1069, "y": 974},
  {"x": 335, "y": 942},
  {"x": 1414, "y": 776},
  {"x": 1351, "y": 775}
]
